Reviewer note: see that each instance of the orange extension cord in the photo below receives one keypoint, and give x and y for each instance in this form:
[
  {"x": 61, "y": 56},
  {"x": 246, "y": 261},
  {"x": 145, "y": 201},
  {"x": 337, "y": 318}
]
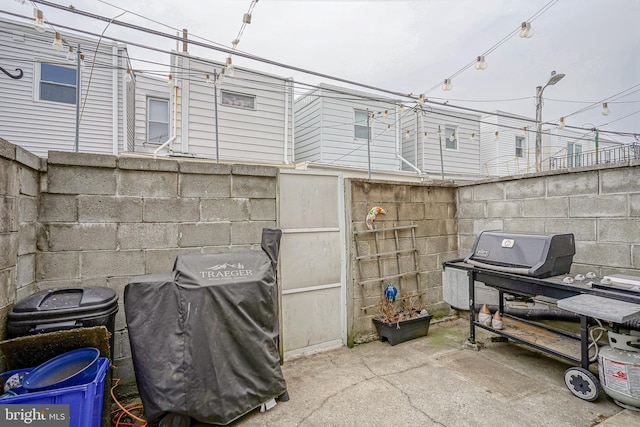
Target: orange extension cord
[{"x": 126, "y": 416}]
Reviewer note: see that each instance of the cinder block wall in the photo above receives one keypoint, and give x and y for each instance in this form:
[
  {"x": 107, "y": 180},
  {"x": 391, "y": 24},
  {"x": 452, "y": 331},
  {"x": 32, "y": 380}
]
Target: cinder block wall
[
  {"x": 19, "y": 187},
  {"x": 601, "y": 206},
  {"x": 432, "y": 208},
  {"x": 104, "y": 219}
]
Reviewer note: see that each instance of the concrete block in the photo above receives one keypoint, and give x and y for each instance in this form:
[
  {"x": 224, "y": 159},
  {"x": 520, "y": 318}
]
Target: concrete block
[
  {"x": 504, "y": 209},
  {"x": 428, "y": 193},
  {"x": 634, "y": 204},
  {"x": 81, "y": 159},
  {"x": 439, "y": 210},
  {"x": 144, "y": 164},
  {"x": 262, "y": 209},
  {"x": 254, "y": 170},
  {"x": 80, "y": 180},
  {"x": 27, "y": 239},
  {"x": 600, "y": 206},
  {"x": 28, "y": 159},
  {"x": 114, "y": 209},
  {"x": 8, "y": 214},
  {"x": 8, "y": 250},
  {"x": 635, "y": 257},
  {"x": 583, "y": 229},
  {"x": 9, "y": 182},
  {"x": 74, "y": 237},
  {"x": 572, "y": 184},
  {"x": 248, "y": 186},
  {"x": 410, "y": 211},
  {"x": 364, "y": 191},
  {"x": 27, "y": 209},
  {"x": 224, "y": 209},
  {"x": 532, "y": 225},
  {"x": 248, "y": 231},
  {"x": 438, "y": 244},
  {"x": 29, "y": 182},
  {"x": 58, "y": 208},
  {"x": 205, "y": 234},
  {"x": 607, "y": 254},
  {"x": 147, "y": 235},
  {"x": 26, "y": 270},
  {"x": 147, "y": 183},
  {"x": 486, "y": 225},
  {"x": 203, "y": 167},
  {"x": 111, "y": 263},
  {"x": 524, "y": 188},
  {"x": 162, "y": 260},
  {"x": 465, "y": 226},
  {"x": 7, "y": 150},
  {"x": 465, "y": 193},
  {"x": 550, "y": 208},
  {"x": 57, "y": 265},
  {"x": 472, "y": 210},
  {"x": 619, "y": 230},
  {"x": 492, "y": 191},
  {"x": 171, "y": 210},
  {"x": 205, "y": 186},
  {"x": 619, "y": 180},
  {"x": 7, "y": 286}
]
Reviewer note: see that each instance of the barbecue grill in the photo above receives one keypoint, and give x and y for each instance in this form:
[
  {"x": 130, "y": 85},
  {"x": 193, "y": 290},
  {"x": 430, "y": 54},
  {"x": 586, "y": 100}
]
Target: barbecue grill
[{"x": 532, "y": 265}]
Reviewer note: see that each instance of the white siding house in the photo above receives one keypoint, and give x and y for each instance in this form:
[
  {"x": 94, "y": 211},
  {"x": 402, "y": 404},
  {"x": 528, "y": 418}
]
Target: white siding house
[
  {"x": 38, "y": 109},
  {"x": 254, "y": 113}
]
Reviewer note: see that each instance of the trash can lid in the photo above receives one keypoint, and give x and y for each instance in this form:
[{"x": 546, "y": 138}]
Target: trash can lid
[{"x": 53, "y": 302}]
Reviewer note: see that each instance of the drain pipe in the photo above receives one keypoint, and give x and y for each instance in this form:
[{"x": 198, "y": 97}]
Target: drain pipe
[
  {"x": 175, "y": 123},
  {"x": 398, "y": 147}
]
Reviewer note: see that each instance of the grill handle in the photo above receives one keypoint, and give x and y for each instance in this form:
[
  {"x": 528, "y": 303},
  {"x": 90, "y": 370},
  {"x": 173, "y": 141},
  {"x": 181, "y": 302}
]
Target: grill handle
[{"x": 513, "y": 270}]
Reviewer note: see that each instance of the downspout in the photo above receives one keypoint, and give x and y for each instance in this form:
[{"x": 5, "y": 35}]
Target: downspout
[
  {"x": 398, "y": 148},
  {"x": 293, "y": 127},
  {"x": 175, "y": 123},
  {"x": 285, "y": 157},
  {"x": 114, "y": 96}
]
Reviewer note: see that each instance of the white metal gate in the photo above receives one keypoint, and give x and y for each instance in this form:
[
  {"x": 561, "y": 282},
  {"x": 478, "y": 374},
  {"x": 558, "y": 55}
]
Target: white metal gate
[{"x": 312, "y": 260}]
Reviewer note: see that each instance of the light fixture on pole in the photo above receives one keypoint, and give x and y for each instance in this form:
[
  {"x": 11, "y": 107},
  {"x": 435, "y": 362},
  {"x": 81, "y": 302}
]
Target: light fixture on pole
[{"x": 555, "y": 78}]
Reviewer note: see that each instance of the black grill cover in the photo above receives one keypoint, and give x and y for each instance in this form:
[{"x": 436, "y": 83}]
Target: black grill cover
[{"x": 204, "y": 337}]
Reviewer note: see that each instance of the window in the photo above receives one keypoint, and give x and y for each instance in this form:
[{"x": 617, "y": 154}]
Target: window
[
  {"x": 361, "y": 128},
  {"x": 451, "y": 138},
  {"x": 574, "y": 155},
  {"x": 157, "y": 120},
  {"x": 57, "y": 83},
  {"x": 519, "y": 146},
  {"x": 238, "y": 100}
]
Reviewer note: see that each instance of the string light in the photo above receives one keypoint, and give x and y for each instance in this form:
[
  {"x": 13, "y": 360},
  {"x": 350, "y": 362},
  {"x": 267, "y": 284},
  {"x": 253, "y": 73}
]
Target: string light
[
  {"x": 526, "y": 30},
  {"x": 207, "y": 79},
  {"x": 82, "y": 60},
  {"x": 472, "y": 137},
  {"x": 561, "y": 123},
  {"x": 71, "y": 55},
  {"x": 497, "y": 136},
  {"x": 421, "y": 99},
  {"x": 229, "y": 71},
  {"x": 452, "y": 138},
  {"x": 170, "y": 81},
  {"x": 446, "y": 86},
  {"x": 57, "y": 42},
  {"x": 481, "y": 64},
  {"x": 426, "y": 135},
  {"x": 406, "y": 135},
  {"x": 128, "y": 77},
  {"x": 605, "y": 109},
  {"x": 246, "y": 18},
  {"x": 38, "y": 18},
  {"x": 386, "y": 114}
]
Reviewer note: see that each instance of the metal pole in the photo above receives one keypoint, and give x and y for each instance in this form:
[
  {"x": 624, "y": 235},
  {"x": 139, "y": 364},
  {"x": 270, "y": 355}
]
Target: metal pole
[
  {"x": 597, "y": 143},
  {"x": 215, "y": 102},
  {"x": 78, "y": 88},
  {"x": 441, "y": 161},
  {"x": 368, "y": 145},
  {"x": 539, "y": 90}
]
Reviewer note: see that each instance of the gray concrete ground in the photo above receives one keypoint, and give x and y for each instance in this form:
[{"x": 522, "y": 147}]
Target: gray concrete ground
[{"x": 435, "y": 381}]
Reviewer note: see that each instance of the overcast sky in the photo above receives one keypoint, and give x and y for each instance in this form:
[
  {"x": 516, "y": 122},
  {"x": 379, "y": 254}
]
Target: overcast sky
[{"x": 412, "y": 46}]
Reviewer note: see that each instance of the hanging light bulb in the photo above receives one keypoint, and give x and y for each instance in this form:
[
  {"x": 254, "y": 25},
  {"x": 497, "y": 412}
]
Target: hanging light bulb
[
  {"x": 401, "y": 108},
  {"x": 229, "y": 71},
  {"x": 128, "y": 77},
  {"x": 235, "y": 42},
  {"x": 421, "y": 99},
  {"x": 218, "y": 78},
  {"x": 57, "y": 42},
  {"x": 170, "y": 81},
  {"x": 406, "y": 135},
  {"x": 526, "y": 30},
  {"x": 207, "y": 79},
  {"x": 246, "y": 19},
  {"x": 481, "y": 64},
  {"x": 82, "y": 63},
  {"x": 373, "y": 116},
  {"x": 388, "y": 126},
  {"x": 497, "y": 136},
  {"x": 71, "y": 55},
  {"x": 561, "y": 123},
  {"x": 386, "y": 114},
  {"x": 605, "y": 109},
  {"x": 426, "y": 135},
  {"x": 472, "y": 137},
  {"x": 38, "y": 18},
  {"x": 452, "y": 137},
  {"x": 446, "y": 86}
]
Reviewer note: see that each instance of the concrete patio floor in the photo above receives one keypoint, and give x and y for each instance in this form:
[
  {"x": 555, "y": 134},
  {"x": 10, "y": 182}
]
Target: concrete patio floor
[{"x": 434, "y": 381}]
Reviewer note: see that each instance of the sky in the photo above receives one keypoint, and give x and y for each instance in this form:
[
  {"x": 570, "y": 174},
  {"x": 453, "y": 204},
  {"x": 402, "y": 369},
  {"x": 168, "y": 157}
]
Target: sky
[{"x": 411, "y": 46}]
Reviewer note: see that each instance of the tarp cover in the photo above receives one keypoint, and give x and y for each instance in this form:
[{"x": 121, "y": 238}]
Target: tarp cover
[{"x": 204, "y": 337}]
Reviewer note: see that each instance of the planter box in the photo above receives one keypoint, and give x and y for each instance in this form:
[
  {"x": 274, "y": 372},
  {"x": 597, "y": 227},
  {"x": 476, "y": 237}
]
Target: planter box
[{"x": 405, "y": 330}]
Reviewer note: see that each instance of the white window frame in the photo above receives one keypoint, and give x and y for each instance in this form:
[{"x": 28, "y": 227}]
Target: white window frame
[
  {"x": 226, "y": 94},
  {"x": 360, "y": 122},
  {"x": 37, "y": 93},
  {"x": 574, "y": 155},
  {"x": 451, "y": 145},
  {"x": 148, "y": 119},
  {"x": 519, "y": 152}
]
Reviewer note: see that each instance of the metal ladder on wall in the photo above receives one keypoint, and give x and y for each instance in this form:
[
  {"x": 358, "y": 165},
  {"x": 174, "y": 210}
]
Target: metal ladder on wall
[{"x": 379, "y": 237}]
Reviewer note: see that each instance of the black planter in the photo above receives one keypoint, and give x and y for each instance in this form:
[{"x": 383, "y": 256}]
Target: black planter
[{"x": 405, "y": 330}]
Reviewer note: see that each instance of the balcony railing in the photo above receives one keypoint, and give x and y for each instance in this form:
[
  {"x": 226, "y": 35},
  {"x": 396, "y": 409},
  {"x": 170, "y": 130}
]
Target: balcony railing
[{"x": 589, "y": 158}]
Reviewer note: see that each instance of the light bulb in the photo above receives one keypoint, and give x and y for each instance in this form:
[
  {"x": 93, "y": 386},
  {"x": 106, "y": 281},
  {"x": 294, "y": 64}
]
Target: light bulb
[
  {"x": 71, "y": 55},
  {"x": 406, "y": 135},
  {"x": 401, "y": 108},
  {"x": 57, "y": 42},
  {"x": 472, "y": 137},
  {"x": 229, "y": 71},
  {"x": 82, "y": 60},
  {"x": 526, "y": 30},
  {"x": 605, "y": 109},
  {"x": 421, "y": 100},
  {"x": 497, "y": 135},
  {"x": 246, "y": 19},
  {"x": 426, "y": 135},
  {"x": 170, "y": 80},
  {"x": 128, "y": 77},
  {"x": 452, "y": 137},
  {"x": 38, "y": 17},
  {"x": 561, "y": 123},
  {"x": 386, "y": 114},
  {"x": 235, "y": 42},
  {"x": 446, "y": 86},
  {"x": 481, "y": 64}
]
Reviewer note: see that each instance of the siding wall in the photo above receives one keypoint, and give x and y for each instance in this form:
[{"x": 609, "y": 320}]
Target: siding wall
[
  {"x": 40, "y": 126},
  {"x": 308, "y": 127}
]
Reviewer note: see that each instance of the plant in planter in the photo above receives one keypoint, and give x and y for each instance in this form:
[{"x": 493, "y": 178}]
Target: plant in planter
[{"x": 399, "y": 319}]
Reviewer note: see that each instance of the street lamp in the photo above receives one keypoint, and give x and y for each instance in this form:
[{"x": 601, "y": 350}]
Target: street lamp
[{"x": 555, "y": 78}]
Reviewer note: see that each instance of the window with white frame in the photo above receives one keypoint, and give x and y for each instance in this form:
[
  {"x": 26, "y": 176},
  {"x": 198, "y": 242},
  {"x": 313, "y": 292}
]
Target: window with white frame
[
  {"x": 157, "y": 120},
  {"x": 574, "y": 155},
  {"x": 451, "y": 137},
  {"x": 519, "y": 146},
  {"x": 56, "y": 83},
  {"x": 232, "y": 99},
  {"x": 361, "y": 129}
]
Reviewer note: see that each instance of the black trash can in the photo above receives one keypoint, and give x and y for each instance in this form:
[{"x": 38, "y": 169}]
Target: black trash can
[{"x": 64, "y": 308}]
